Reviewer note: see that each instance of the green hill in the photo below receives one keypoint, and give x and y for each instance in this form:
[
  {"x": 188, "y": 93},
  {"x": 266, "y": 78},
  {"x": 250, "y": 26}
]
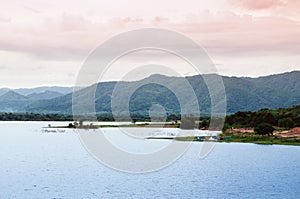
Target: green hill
[{"x": 243, "y": 94}]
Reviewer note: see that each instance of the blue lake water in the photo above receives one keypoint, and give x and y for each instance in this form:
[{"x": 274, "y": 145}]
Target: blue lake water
[{"x": 56, "y": 165}]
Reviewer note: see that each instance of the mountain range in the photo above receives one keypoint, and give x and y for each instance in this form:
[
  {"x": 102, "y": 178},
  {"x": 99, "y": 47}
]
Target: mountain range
[
  {"x": 37, "y": 90},
  {"x": 242, "y": 93},
  {"x": 16, "y": 100}
]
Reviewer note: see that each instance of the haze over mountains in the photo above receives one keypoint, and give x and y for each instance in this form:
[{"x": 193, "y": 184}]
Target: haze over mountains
[
  {"x": 28, "y": 91},
  {"x": 243, "y": 94},
  {"x": 16, "y": 100}
]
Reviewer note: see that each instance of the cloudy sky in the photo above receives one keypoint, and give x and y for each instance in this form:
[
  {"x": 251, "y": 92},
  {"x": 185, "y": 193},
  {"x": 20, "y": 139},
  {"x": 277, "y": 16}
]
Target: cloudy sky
[{"x": 46, "y": 42}]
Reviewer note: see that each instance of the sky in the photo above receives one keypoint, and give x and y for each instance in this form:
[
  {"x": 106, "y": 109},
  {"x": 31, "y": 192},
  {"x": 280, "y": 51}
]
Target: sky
[{"x": 46, "y": 42}]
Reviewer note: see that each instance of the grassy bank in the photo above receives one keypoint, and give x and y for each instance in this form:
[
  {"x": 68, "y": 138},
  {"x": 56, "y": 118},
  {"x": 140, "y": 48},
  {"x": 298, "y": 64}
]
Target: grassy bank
[
  {"x": 258, "y": 139},
  {"x": 268, "y": 140}
]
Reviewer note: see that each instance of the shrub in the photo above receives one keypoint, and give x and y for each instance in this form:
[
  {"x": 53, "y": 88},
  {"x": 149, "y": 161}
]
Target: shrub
[
  {"x": 264, "y": 128},
  {"x": 286, "y": 123}
]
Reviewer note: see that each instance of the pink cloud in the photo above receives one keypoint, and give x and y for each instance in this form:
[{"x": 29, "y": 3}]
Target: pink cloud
[
  {"x": 132, "y": 19},
  {"x": 227, "y": 33},
  {"x": 257, "y": 4},
  {"x": 74, "y": 36},
  {"x": 5, "y": 20},
  {"x": 68, "y": 37},
  {"x": 73, "y": 23},
  {"x": 160, "y": 19}
]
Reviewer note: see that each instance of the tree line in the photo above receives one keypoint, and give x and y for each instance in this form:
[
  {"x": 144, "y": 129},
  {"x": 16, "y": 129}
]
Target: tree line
[
  {"x": 264, "y": 120},
  {"x": 34, "y": 117}
]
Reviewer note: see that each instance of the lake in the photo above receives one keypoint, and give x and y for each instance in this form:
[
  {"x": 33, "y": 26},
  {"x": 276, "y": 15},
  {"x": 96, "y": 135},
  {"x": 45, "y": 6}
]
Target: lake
[{"x": 34, "y": 164}]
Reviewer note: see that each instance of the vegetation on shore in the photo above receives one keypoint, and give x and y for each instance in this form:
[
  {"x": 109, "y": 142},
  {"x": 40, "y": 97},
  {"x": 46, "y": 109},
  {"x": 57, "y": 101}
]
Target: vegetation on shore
[
  {"x": 263, "y": 123},
  {"x": 259, "y": 139},
  {"x": 260, "y": 124},
  {"x": 284, "y": 118},
  {"x": 34, "y": 117}
]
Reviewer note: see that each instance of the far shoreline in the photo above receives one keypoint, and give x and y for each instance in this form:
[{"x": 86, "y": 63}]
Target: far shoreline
[{"x": 224, "y": 137}]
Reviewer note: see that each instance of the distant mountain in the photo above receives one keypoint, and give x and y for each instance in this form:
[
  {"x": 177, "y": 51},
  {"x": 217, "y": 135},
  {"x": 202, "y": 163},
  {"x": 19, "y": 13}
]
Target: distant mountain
[
  {"x": 29, "y": 91},
  {"x": 4, "y": 90},
  {"x": 243, "y": 94},
  {"x": 13, "y": 102},
  {"x": 12, "y": 95},
  {"x": 44, "y": 95},
  {"x": 38, "y": 90},
  {"x": 285, "y": 81},
  {"x": 62, "y": 104}
]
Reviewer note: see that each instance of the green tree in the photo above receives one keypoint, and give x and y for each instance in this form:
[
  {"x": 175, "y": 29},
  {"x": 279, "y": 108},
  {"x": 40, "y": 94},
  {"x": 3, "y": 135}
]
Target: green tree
[
  {"x": 204, "y": 124},
  {"x": 286, "y": 123},
  {"x": 226, "y": 126},
  {"x": 264, "y": 129},
  {"x": 133, "y": 121}
]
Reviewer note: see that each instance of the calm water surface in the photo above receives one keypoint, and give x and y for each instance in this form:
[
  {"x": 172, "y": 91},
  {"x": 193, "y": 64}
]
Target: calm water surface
[{"x": 38, "y": 165}]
